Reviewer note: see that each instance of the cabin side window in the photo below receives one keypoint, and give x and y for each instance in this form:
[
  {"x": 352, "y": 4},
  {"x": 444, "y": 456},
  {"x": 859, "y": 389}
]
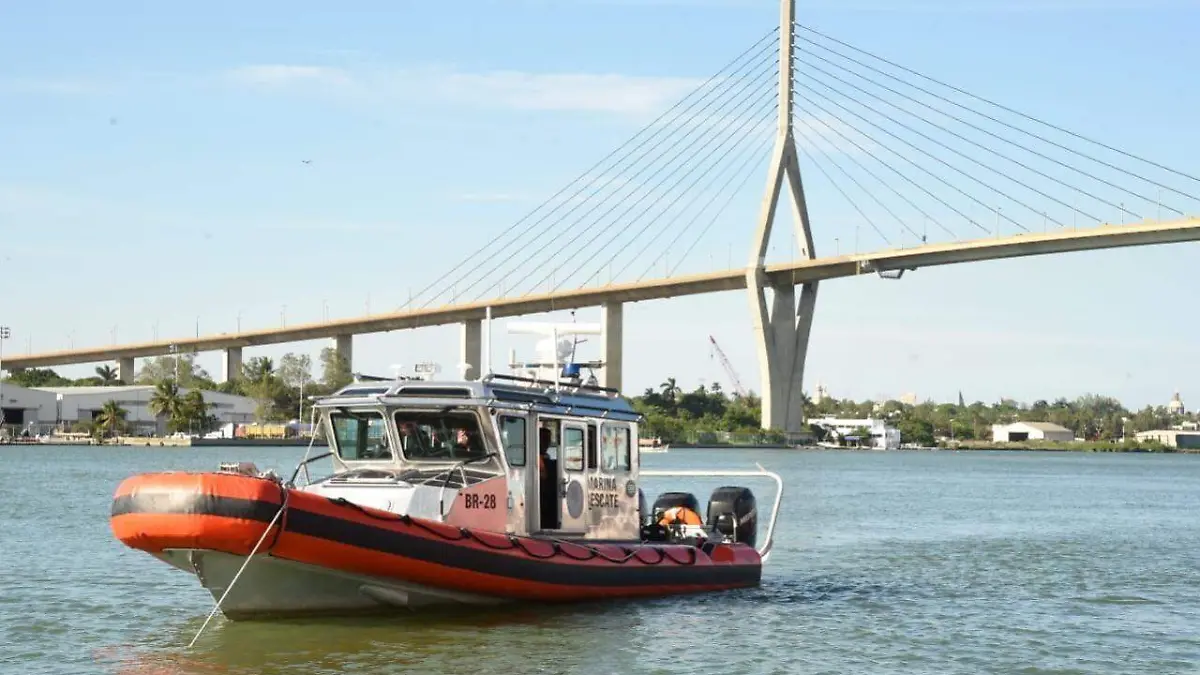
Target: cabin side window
[
  {"x": 572, "y": 449},
  {"x": 615, "y": 448},
  {"x": 360, "y": 436},
  {"x": 512, "y": 435}
]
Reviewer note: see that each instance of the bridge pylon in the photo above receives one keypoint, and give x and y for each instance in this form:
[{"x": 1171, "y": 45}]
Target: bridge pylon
[{"x": 781, "y": 330}]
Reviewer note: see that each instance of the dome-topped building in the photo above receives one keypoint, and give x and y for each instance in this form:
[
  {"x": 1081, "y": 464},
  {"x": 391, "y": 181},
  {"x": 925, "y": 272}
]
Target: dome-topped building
[{"x": 1176, "y": 407}]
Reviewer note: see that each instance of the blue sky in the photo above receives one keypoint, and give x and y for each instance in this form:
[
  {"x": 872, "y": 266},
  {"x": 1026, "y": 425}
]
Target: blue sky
[{"x": 151, "y": 177}]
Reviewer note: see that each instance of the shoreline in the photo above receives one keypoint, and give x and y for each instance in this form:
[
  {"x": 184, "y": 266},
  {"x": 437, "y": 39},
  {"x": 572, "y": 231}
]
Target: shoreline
[{"x": 167, "y": 442}]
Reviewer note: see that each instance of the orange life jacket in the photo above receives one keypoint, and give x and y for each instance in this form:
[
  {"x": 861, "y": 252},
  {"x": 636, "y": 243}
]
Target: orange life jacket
[{"x": 680, "y": 515}]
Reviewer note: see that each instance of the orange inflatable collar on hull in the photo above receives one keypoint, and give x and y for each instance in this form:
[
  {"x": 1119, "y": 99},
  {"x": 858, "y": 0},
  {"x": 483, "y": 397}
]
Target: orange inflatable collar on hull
[{"x": 221, "y": 512}]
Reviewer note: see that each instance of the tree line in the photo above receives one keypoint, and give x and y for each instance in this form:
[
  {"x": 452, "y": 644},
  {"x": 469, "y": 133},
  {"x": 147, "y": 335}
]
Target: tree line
[
  {"x": 280, "y": 390},
  {"x": 674, "y": 415}
]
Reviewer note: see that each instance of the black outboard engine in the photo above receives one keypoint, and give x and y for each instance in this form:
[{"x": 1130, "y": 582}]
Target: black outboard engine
[
  {"x": 669, "y": 500},
  {"x": 733, "y": 514}
]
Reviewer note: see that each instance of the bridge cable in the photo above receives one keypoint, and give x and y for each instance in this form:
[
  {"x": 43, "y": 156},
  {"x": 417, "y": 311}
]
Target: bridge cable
[
  {"x": 901, "y": 195},
  {"x": 714, "y": 172},
  {"x": 888, "y": 165},
  {"x": 927, "y": 154},
  {"x": 980, "y": 129},
  {"x": 764, "y": 114},
  {"x": 705, "y": 110},
  {"x": 850, "y": 199},
  {"x": 1004, "y": 108},
  {"x": 976, "y": 144},
  {"x": 701, "y": 169},
  {"x": 671, "y": 157},
  {"x": 580, "y": 226},
  {"x": 854, "y": 180},
  {"x": 746, "y": 168},
  {"x": 960, "y": 154},
  {"x": 724, "y": 88},
  {"x": 652, "y": 125}
]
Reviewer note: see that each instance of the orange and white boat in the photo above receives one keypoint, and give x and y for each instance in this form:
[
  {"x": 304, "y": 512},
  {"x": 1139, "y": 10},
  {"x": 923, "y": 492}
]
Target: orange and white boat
[{"x": 470, "y": 492}]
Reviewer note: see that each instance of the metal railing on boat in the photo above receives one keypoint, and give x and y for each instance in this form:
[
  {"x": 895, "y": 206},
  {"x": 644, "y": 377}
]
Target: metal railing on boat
[{"x": 765, "y": 550}]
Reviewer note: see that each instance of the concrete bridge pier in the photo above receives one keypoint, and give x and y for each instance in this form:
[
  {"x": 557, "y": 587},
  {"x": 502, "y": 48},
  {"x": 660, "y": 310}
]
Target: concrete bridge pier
[
  {"x": 612, "y": 335},
  {"x": 231, "y": 364},
  {"x": 125, "y": 371},
  {"x": 344, "y": 346},
  {"x": 782, "y": 351},
  {"x": 471, "y": 348}
]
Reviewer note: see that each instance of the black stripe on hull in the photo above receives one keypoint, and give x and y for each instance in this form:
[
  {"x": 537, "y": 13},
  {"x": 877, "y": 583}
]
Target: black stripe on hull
[
  {"x": 521, "y": 567},
  {"x": 192, "y": 504}
]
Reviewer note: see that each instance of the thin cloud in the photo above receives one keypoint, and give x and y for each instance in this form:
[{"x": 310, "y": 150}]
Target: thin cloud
[
  {"x": 490, "y": 197},
  {"x": 512, "y": 89},
  {"x": 282, "y": 75},
  {"x": 52, "y": 86}
]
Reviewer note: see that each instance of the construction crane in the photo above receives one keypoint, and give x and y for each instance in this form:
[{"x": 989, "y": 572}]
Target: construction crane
[{"x": 737, "y": 384}]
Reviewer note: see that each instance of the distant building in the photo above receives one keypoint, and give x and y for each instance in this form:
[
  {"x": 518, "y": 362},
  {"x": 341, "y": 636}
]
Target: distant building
[
  {"x": 1030, "y": 431},
  {"x": 24, "y": 409},
  {"x": 908, "y": 399},
  {"x": 1171, "y": 438},
  {"x": 74, "y": 404},
  {"x": 820, "y": 394},
  {"x": 879, "y": 436},
  {"x": 1176, "y": 407}
]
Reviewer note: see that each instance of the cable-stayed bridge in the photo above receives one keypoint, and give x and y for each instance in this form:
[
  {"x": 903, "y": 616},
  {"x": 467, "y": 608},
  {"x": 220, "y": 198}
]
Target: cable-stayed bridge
[{"x": 937, "y": 174}]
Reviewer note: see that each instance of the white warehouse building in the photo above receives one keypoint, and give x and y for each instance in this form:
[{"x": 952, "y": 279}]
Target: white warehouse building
[
  {"x": 74, "y": 404},
  {"x": 26, "y": 408},
  {"x": 1030, "y": 431}
]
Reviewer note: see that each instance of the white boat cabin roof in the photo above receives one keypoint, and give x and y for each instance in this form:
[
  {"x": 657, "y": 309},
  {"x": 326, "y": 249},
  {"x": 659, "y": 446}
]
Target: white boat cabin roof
[{"x": 496, "y": 391}]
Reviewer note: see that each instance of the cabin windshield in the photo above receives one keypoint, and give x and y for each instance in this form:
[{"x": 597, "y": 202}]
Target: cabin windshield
[{"x": 439, "y": 436}]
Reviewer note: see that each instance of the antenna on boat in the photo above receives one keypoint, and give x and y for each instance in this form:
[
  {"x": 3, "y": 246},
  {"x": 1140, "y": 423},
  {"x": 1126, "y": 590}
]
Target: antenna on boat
[{"x": 560, "y": 356}]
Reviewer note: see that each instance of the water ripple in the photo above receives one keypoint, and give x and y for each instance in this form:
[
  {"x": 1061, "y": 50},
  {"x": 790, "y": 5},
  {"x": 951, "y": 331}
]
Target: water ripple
[{"x": 885, "y": 563}]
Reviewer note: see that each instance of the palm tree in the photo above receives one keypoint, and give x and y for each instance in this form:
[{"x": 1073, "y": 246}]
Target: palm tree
[
  {"x": 670, "y": 389},
  {"x": 111, "y": 418},
  {"x": 259, "y": 369},
  {"x": 196, "y": 409},
  {"x": 167, "y": 402},
  {"x": 108, "y": 375}
]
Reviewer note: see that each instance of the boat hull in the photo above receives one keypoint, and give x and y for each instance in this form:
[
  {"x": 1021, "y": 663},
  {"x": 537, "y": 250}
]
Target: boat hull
[
  {"x": 318, "y": 555},
  {"x": 273, "y": 587}
]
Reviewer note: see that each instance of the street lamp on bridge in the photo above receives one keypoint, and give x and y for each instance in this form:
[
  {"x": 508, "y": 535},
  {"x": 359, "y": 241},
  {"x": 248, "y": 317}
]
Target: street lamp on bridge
[{"x": 5, "y": 333}]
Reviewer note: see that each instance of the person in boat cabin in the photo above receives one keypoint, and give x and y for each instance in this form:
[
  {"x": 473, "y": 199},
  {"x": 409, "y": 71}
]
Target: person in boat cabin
[
  {"x": 461, "y": 442},
  {"x": 466, "y": 444},
  {"x": 547, "y": 478},
  {"x": 412, "y": 439}
]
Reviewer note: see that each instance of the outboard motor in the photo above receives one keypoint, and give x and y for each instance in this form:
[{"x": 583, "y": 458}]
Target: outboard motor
[
  {"x": 733, "y": 513},
  {"x": 674, "y": 500}
]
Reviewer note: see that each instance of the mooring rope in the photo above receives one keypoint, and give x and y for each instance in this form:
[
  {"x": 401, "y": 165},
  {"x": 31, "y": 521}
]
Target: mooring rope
[{"x": 282, "y": 507}]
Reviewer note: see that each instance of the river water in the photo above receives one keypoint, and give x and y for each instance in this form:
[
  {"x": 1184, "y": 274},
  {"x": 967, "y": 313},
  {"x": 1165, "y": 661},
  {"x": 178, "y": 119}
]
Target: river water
[{"x": 906, "y": 562}]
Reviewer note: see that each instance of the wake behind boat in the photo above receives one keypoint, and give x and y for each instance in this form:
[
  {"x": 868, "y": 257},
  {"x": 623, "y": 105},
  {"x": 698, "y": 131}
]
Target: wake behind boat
[{"x": 450, "y": 492}]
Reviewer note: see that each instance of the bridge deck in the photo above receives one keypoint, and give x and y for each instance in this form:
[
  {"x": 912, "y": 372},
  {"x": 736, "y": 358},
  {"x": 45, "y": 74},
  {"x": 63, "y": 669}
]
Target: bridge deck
[{"x": 1109, "y": 236}]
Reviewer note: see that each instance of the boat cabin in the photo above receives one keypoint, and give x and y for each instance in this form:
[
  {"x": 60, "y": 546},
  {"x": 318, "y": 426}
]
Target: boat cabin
[{"x": 505, "y": 454}]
